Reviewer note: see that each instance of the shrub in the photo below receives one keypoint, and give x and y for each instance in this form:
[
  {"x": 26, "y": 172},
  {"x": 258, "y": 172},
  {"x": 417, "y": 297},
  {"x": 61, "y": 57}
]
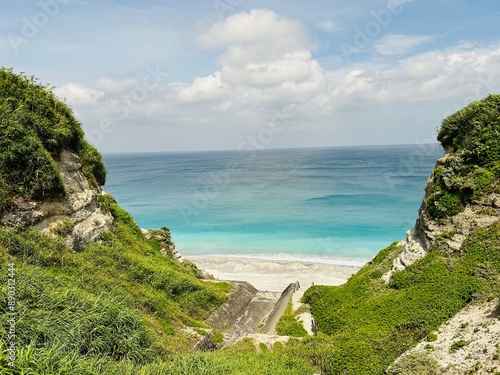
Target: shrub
[
  {"x": 432, "y": 337},
  {"x": 416, "y": 364},
  {"x": 457, "y": 345},
  {"x": 288, "y": 325},
  {"x": 63, "y": 227},
  {"x": 92, "y": 165}
]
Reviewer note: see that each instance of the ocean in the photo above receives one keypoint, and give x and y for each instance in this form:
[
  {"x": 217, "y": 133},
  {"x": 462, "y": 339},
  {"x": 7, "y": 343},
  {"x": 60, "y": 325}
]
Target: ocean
[{"x": 334, "y": 205}]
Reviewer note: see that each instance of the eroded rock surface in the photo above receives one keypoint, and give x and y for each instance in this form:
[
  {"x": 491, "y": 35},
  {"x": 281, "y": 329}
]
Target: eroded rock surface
[{"x": 77, "y": 216}]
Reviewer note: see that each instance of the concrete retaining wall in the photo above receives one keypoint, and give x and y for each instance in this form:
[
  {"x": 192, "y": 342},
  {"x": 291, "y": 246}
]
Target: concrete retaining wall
[
  {"x": 269, "y": 327},
  {"x": 225, "y": 316},
  {"x": 205, "y": 344}
]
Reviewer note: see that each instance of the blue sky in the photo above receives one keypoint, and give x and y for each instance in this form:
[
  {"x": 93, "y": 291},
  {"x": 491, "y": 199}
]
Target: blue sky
[{"x": 157, "y": 75}]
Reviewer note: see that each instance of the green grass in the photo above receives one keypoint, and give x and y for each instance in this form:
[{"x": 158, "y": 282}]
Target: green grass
[
  {"x": 119, "y": 299},
  {"x": 35, "y": 127},
  {"x": 53, "y": 362},
  {"x": 117, "y": 307},
  {"x": 368, "y": 323},
  {"x": 288, "y": 324}
]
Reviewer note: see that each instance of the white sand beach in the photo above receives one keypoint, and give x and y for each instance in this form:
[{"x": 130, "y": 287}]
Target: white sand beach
[{"x": 272, "y": 275}]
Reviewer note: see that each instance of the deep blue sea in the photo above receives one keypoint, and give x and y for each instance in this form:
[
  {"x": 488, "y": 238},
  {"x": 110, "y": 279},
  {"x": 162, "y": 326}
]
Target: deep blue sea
[{"x": 336, "y": 205}]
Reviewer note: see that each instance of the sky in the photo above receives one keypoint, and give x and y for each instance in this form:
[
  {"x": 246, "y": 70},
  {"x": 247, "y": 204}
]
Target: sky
[{"x": 165, "y": 75}]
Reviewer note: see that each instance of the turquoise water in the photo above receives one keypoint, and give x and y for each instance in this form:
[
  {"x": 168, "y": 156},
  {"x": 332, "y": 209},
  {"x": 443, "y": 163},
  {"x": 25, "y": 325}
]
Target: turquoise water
[{"x": 339, "y": 205}]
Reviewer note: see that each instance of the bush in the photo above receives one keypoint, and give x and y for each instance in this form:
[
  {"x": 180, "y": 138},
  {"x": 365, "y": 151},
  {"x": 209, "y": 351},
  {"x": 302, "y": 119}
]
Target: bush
[
  {"x": 92, "y": 165},
  {"x": 474, "y": 131},
  {"x": 432, "y": 337},
  {"x": 288, "y": 325},
  {"x": 457, "y": 345},
  {"x": 416, "y": 364},
  {"x": 63, "y": 227}
]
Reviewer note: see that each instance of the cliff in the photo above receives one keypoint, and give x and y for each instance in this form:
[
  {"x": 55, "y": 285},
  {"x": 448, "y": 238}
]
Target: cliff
[
  {"x": 75, "y": 216},
  {"x": 463, "y": 192},
  {"x": 429, "y": 304},
  {"x": 462, "y": 197}
]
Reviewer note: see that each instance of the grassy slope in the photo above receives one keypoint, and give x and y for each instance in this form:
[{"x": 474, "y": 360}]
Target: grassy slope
[
  {"x": 35, "y": 126},
  {"x": 368, "y": 324},
  {"x": 117, "y": 307}
]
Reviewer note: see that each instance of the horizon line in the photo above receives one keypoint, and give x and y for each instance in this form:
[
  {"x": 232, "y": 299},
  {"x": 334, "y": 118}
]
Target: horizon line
[{"x": 266, "y": 149}]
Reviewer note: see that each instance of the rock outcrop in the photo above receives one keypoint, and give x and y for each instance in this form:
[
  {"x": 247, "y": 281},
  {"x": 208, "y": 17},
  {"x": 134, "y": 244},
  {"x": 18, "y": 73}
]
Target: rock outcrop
[
  {"x": 77, "y": 216},
  {"x": 164, "y": 237},
  {"x": 450, "y": 232},
  {"x": 461, "y": 196}
]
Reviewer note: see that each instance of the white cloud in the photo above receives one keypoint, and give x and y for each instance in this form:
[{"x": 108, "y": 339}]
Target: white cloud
[
  {"x": 109, "y": 84},
  {"x": 397, "y": 44},
  {"x": 78, "y": 94},
  {"x": 208, "y": 88},
  {"x": 387, "y": 99},
  {"x": 329, "y": 26},
  {"x": 457, "y": 72},
  {"x": 267, "y": 60},
  {"x": 258, "y": 26}
]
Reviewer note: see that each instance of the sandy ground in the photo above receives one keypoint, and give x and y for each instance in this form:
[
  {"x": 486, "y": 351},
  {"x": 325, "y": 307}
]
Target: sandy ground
[
  {"x": 305, "y": 318},
  {"x": 272, "y": 275}
]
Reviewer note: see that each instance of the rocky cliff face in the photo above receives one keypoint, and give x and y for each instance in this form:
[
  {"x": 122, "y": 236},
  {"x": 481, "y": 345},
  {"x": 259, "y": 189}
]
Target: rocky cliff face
[
  {"x": 461, "y": 195},
  {"x": 450, "y": 232},
  {"x": 77, "y": 216}
]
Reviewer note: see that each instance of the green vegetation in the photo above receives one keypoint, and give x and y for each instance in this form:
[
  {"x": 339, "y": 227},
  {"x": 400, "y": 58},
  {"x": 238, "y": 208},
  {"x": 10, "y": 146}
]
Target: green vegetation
[
  {"x": 63, "y": 227},
  {"x": 92, "y": 165},
  {"x": 458, "y": 345},
  {"x": 369, "y": 323},
  {"x": 120, "y": 306},
  {"x": 119, "y": 300},
  {"x": 432, "y": 337},
  {"x": 288, "y": 325},
  {"x": 117, "y": 307},
  {"x": 35, "y": 127},
  {"x": 474, "y": 167},
  {"x": 416, "y": 364}
]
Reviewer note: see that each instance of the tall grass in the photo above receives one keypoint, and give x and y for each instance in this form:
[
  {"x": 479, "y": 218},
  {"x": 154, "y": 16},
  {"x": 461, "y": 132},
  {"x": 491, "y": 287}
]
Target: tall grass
[{"x": 119, "y": 299}]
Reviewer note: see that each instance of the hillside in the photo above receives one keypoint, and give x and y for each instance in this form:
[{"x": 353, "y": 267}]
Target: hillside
[
  {"x": 85, "y": 291},
  {"x": 450, "y": 260}
]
